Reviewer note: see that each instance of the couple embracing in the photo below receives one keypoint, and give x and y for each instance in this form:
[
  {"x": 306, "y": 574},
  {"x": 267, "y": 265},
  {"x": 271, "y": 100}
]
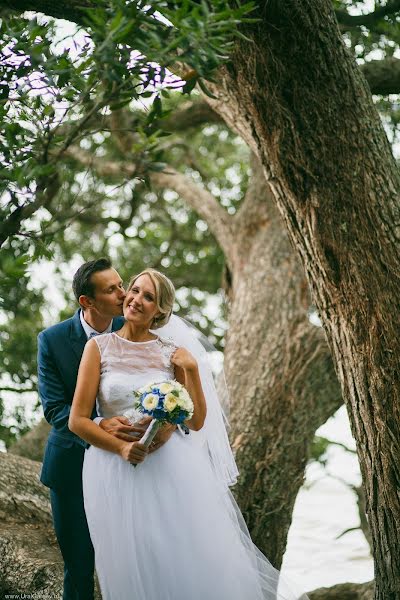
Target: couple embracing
[{"x": 170, "y": 528}]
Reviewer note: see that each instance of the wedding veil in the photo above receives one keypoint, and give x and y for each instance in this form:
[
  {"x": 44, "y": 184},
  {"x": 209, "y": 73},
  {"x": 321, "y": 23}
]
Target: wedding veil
[{"x": 185, "y": 335}]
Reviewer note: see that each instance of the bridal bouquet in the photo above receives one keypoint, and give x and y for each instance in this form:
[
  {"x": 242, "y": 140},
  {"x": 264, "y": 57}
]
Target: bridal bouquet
[{"x": 166, "y": 401}]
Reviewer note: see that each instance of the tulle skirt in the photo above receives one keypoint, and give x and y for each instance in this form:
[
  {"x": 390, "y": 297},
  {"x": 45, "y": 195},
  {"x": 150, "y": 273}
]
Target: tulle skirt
[{"x": 168, "y": 530}]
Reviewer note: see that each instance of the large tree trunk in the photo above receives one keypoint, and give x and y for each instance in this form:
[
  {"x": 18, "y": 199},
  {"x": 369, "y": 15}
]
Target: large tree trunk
[
  {"x": 282, "y": 381},
  {"x": 297, "y": 97}
]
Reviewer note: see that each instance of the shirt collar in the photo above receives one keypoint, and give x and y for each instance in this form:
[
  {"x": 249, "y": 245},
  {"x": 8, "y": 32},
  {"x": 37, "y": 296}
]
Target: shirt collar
[{"x": 88, "y": 329}]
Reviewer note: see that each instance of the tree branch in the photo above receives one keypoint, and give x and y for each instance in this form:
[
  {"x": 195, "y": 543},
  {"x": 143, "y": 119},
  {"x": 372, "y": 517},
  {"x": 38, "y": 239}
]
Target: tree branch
[
  {"x": 383, "y": 76},
  {"x": 17, "y": 390},
  {"x": 198, "y": 198},
  {"x": 190, "y": 114},
  {"x": 74, "y": 10},
  {"x": 103, "y": 167},
  {"x": 11, "y": 225},
  {"x": 344, "y": 18},
  {"x": 258, "y": 203}
]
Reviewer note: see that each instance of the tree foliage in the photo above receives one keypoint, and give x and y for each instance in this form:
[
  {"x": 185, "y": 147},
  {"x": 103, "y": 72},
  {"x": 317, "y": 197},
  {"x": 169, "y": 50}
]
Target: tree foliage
[{"x": 107, "y": 89}]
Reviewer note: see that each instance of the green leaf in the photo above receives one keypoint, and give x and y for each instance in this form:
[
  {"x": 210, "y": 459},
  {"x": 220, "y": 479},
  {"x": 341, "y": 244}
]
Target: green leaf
[
  {"x": 206, "y": 91},
  {"x": 190, "y": 85},
  {"x": 4, "y": 91}
]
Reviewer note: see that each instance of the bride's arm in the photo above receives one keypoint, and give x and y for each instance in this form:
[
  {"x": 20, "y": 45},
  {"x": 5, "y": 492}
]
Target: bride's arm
[
  {"x": 82, "y": 406},
  {"x": 187, "y": 373}
]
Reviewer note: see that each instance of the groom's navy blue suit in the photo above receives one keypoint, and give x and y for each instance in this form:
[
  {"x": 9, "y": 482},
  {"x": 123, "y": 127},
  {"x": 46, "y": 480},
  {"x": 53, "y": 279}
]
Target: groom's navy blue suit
[{"x": 60, "y": 349}]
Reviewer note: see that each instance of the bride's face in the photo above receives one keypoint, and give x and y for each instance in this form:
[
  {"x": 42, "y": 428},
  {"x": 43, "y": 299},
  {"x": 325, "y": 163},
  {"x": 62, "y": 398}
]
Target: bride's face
[{"x": 140, "y": 305}]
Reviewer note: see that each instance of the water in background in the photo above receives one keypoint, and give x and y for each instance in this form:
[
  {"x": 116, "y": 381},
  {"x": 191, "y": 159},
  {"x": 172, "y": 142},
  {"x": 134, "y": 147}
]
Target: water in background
[{"x": 325, "y": 507}]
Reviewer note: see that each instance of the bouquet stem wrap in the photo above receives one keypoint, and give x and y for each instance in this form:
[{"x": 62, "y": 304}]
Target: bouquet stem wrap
[{"x": 151, "y": 432}]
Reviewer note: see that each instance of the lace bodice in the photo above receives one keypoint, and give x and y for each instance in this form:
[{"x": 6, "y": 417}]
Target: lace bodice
[{"x": 126, "y": 366}]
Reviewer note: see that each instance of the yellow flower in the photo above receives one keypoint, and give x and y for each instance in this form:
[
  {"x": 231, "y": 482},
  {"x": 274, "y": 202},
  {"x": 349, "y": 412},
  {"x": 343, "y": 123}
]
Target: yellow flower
[
  {"x": 170, "y": 402},
  {"x": 150, "y": 401}
]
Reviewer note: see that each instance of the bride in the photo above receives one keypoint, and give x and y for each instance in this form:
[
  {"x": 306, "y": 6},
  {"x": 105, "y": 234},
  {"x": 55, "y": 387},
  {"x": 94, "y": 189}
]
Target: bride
[{"x": 168, "y": 529}]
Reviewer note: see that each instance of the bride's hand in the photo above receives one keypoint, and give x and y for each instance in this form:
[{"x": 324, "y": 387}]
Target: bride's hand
[
  {"x": 134, "y": 452},
  {"x": 183, "y": 359}
]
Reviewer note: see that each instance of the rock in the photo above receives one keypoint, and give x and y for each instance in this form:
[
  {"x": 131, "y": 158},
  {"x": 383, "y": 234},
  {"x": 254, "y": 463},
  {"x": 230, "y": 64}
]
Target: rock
[
  {"x": 31, "y": 445},
  {"x": 345, "y": 591},
  {"x": 30, "y": 562}
]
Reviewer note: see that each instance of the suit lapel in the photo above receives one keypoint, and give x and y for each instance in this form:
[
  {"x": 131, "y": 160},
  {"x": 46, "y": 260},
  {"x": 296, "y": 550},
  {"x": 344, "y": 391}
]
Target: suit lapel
[
  {"x": 117, "y": 323},
  {"x": 78, "y": 337}
]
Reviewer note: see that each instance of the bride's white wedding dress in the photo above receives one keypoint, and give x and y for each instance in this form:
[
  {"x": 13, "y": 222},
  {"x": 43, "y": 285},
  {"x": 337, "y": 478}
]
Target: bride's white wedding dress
[{"x": 167, "y": 529}]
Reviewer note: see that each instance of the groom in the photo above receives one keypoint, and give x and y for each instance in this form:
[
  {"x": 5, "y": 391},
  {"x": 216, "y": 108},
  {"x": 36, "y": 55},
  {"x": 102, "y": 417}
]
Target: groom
[{"x": 100, "y": 293}]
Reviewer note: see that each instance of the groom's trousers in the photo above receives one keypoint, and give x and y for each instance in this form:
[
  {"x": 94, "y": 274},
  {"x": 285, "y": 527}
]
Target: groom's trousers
[{"x": 73, "y": 538}]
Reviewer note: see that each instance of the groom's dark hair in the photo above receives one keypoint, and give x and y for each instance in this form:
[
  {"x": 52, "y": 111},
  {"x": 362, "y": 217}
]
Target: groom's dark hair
[{"x": 82, "y": 284}]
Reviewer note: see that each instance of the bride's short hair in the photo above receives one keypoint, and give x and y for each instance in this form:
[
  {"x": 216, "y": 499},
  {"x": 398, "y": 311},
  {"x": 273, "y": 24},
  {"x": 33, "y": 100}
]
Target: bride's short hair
[{"x": 165, "y": 295}]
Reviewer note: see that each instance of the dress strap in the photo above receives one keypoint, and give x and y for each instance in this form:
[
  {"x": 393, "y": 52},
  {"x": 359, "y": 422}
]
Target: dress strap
[{"x": 167, "y": 347}]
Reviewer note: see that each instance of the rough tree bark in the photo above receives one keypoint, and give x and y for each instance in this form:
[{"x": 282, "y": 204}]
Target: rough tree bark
[
  {"x": 296, "y": 96},
  {"x": 279, "y": 369}
]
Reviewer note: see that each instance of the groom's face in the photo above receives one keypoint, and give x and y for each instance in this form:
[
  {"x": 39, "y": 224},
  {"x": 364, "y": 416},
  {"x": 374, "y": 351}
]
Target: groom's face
[{"x": 109, "y": 293}]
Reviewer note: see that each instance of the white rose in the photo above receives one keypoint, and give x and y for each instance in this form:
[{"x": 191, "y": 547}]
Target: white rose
[
  {"x": 181, "y": 401},
  {"x": 150, "y": 401},
  {"x": 166, "y": 388},
  {"x": 186, "y": 395},
  {"x": 185, "y": 400},
  {"x": 170, "y": 402}
]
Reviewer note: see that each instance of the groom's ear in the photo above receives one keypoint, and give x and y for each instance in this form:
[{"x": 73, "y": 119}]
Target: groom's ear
[{"x": 85, "y": 301}]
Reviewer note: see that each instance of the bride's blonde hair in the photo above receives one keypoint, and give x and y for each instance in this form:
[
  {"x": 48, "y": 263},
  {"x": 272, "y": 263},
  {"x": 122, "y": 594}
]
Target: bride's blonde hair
[{"x": 165, "y": 295}]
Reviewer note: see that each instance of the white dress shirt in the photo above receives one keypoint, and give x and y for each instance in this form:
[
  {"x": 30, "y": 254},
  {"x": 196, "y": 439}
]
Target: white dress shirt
[{"x": 89, "y": 330}]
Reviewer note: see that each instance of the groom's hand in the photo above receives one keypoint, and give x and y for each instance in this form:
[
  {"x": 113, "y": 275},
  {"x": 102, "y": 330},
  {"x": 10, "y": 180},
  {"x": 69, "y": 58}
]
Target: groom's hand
[
  {"x": 121, "y": 427},
  {"x": 162, "y": 437}
]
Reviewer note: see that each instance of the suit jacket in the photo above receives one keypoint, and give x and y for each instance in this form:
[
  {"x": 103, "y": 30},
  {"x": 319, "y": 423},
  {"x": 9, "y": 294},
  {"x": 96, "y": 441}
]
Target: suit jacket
[{"x": 60, "y": 349}]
